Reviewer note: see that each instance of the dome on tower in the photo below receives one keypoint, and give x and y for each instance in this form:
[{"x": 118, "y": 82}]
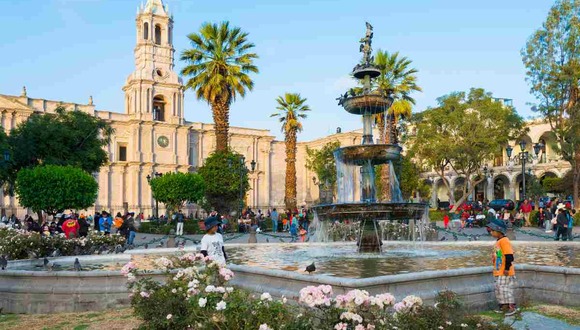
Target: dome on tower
[{"x": 156, "y": 7}]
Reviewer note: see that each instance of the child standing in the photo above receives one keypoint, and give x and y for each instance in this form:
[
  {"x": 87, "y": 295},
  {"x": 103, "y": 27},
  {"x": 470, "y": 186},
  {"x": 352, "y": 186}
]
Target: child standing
[
  {"x": 446, "y": 221},
  {"x": 212, "y": 243},
  {"x": 302, "y": 232},
  {"x": 294, "y": 229},
  {"x": 503, "y": 268}
]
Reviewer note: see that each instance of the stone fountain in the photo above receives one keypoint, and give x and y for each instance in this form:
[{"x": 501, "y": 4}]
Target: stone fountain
[{"x": 362, "y": 159}]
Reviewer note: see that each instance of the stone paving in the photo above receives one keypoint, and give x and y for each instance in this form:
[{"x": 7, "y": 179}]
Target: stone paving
[{"x": 535, "y": 321}]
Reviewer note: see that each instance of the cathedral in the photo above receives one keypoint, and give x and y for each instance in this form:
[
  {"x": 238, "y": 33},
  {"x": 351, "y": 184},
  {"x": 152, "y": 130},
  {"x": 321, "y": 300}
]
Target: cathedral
[{"x": 152, "y": 136}]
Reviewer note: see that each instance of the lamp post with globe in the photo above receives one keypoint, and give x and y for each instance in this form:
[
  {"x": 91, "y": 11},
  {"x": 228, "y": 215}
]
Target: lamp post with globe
[
  {"x": 524, "y": 156},
  {"x": 149, "y": 177}
]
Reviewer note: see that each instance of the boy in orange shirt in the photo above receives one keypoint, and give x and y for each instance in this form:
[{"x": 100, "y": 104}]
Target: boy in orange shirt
[{"x": 503, "y": 268}]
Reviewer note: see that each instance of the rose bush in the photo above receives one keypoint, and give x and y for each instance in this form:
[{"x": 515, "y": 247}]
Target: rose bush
[
  {"x": 196, "y": 295},
  {"x": 21, "y": 244}
]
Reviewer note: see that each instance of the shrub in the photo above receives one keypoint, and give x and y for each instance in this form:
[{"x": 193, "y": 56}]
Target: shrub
[
  {"x": 534, "y": 215},
  {"x": 196, "y": 295},
  {"x": 190, "y": 227},
  {"x": 20, "y": 244}
]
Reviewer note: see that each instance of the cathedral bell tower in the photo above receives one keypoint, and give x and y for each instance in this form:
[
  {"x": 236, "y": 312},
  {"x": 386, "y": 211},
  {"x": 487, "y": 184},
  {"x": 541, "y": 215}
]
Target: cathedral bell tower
[{"x": 154, "y": 91}]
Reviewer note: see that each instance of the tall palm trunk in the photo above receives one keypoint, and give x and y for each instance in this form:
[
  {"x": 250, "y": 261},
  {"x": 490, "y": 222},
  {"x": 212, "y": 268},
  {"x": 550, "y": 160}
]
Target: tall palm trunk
[
  {"x": 221, "y": 114},
  {"x": 385, "y": 180},
  {"x": 290, "y": 192}
]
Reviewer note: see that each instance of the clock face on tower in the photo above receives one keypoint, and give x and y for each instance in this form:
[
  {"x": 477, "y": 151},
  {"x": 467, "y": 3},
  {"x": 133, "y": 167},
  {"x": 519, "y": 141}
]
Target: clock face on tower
[{"x": 163, "y": 141}]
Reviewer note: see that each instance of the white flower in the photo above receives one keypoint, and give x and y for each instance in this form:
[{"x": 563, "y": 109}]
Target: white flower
[
  {"x": 448, "y": 322},
  {"x": 341, "y": 326},
  {"x": 441, "y": 327},
  {"x": 202, "y": 302},
  {"x": 264, "y": 327},
  {"x": 173, "y": 291},
  {"x": 359, "y": 327},
  {"x": 209, "y": 288},
  {"x": 478, "y": 325},
  {"x": 229, "y": 289},
  {"x": 169, "y": 316},
  {"x": 220, "y": 306},
  {"x": 266, "y": 296},
  {"x": 463, "y": 325}
]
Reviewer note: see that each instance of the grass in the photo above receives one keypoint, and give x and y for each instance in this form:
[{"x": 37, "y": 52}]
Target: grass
[{"x": 121, "y": 319}]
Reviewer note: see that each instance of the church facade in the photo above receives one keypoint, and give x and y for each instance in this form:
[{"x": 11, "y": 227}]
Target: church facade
[{"x": 152, "y": 135}]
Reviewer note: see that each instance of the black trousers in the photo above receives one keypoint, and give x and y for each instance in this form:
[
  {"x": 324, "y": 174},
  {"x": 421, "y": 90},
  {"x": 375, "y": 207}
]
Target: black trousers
[{"x": 562, "y": 232}]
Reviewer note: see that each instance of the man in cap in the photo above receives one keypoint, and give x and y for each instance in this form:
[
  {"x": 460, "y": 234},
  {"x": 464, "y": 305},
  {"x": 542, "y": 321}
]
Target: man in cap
[
  {"x": 212, "y": 243},
  {"x": 503, "y": 268}
]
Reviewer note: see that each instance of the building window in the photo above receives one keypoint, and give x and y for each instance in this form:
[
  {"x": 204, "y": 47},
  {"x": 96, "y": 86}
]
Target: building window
[
  {"x": 146, "y": 31},
  {"x": 169, "y": 36},
  {"x": 158, "y": 108},
  {"x": 122, "y": 153},
  {"x": 157, "y": 34}
]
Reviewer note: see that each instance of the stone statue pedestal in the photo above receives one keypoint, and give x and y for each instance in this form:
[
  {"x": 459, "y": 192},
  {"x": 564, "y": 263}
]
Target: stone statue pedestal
[
  {"x": 171, "y": 240},
  {"x": 252, "y": 238}
]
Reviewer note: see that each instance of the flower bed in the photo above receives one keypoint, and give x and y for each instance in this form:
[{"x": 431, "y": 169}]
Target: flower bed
[
  {"x": 196, "y": 295},
  {"x": 21, "y": 244}
]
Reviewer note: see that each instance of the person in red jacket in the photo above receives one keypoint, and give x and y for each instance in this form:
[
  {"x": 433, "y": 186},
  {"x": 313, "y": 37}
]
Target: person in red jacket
[
  {"x": 70, "y": 227},
  {"x": 526, "y": 209}
]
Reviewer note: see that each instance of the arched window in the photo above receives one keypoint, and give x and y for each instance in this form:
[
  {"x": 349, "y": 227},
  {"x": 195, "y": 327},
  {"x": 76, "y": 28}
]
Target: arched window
[
  {"x": 157, "y": 34},
  {"x": 158, "y": 108},
  {"x": 146, "y": 31}
]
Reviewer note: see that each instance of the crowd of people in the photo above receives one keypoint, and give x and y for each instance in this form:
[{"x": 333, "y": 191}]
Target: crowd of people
[
  {"x": 555, "y": 217},
  {"x": 77, "y": 225},
  {"x": 295, "y": 222}
]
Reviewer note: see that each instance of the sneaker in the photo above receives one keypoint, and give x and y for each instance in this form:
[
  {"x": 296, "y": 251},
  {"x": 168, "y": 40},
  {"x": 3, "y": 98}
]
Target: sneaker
[
  {"x": 548, "y": 231},
  {"x": 512, "y": 311}
]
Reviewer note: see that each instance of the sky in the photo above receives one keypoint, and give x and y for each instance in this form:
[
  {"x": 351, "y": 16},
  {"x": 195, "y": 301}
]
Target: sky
[{"x": 70, "y": 49}]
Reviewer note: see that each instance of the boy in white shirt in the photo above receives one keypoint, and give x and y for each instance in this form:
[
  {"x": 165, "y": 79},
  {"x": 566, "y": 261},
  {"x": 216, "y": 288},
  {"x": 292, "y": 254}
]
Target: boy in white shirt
[{"x": 212, "y": 243}]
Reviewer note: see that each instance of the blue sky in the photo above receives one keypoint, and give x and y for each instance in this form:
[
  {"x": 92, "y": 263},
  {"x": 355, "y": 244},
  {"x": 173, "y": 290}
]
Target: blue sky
[{"x": 70, "y": 49}]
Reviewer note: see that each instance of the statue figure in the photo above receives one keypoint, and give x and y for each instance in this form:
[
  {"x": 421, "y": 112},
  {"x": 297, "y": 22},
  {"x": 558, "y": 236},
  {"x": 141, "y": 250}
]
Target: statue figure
[{"x": 365, "y": 46}]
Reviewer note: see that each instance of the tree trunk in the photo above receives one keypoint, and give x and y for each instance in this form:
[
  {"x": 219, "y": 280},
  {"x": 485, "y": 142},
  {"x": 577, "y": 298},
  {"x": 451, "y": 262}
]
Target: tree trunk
[
  {"x": 467, "y": 192},
  {"x": 385, "y": 179},
  {"x": 576, "y": 180},
  {"x": 221, "y": 117},
  {"x": 290, "y": 190}
]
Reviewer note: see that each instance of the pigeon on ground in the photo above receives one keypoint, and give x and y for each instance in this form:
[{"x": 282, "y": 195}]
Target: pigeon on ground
[
  {"x": 455, "y": 237},
  {"x": 476, "y": 237},
  {"x": 443, "y": 238},
  {"x": 146, "y": 246},
  {"x": 77, "y": 265},
  {"x": 3, "y": 262},
  {"x": 267, "y": 240},
  {"x": 160, "y": 245},
  {"x": 470, "y": 238},
  {"x": 310, "y": 268},
  {"x": 144, "y": 237},
  {"x": 281, "y": 240},
  {"x": 119, "y": 249}
]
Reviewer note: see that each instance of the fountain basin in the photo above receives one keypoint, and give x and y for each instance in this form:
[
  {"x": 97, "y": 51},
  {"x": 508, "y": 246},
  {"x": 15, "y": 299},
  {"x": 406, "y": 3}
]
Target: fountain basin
[
  {"x": 367, "y": 104},
  {"x": 376, "y": 154},
  {"x": 376, "y": 211}
]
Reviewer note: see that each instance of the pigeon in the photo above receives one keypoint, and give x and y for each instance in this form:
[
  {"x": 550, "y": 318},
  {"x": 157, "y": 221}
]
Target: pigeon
[
  {"x": 47, "y": 264},
  {"x": 160, "y": 245},
  {"x": 144, "y": 237},
  {"x": 3, "y": 262},
  {"x": 476, "y": 237},
  {"x": 77, "y": 265},
  {"x": 455, "y": 237},
  {"x": 118, "y": 249},
  {"x": 310, "y": 268},
  {"x": 267, "y": 240},
  {"x": 32, "y": 255},
  {"x": 444, "y": 238},
  {"x": 281, "y": 240},
  {"x": 146, "y": 246},
  {"x": 470, "y": 238},
  {"x": 56, "y": 253}
]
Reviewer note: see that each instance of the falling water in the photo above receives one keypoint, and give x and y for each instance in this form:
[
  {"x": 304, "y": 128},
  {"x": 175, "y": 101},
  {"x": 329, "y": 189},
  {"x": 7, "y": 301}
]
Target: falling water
[
  {"x": 396, "y": 195},
  {"x": 345, "y": 178}
]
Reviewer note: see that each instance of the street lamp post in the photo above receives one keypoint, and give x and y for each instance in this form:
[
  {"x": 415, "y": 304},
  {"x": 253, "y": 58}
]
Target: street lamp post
[
  {"x": 524, "y": 156},
  {"x": 149, "y": 177}
]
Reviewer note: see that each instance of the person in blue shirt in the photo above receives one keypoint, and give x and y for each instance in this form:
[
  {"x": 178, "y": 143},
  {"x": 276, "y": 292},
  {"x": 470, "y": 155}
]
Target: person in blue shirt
[
  {"x": 571, "y": 224},
  {"x": 294, "y": 228},
  {"x": 105, "y": 223}
]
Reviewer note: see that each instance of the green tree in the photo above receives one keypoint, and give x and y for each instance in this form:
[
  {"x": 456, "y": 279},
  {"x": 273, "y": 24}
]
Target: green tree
[
  {"x": 219, "y": 63},
  {"x": 225, "y": 175},
  {"x": 552, "y": 59},
  {"x": 176, "y": 189},
  {"x": 534, "y": 189},
  {"x": 464, "y": 132},
  {"x": 398, "y": 80},
  {"x": 321, "y": 162},
  {"x": 560, "y": 186},
  {"x": 64, "y": 138},
  {"x": 53, "y": 188},
  {"x": 410, "y": 181},
  {"x": 291, "y": 109}
]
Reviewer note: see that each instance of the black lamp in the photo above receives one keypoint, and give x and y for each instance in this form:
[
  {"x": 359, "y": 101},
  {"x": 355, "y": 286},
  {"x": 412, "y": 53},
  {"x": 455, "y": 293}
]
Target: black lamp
[
  {"x": 253, "y": 165},
  {"x": 148, "y": 178},
  {"x": 509, "y": 150},
  {"x": 523, "y": 145},
  {"x": 537, "y": 148}
]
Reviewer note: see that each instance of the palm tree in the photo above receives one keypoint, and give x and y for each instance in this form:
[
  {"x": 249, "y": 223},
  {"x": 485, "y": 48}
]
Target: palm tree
[
  {"x": 291, "y": 109},
  {"x": 219, "y": 63},
  {"x": 397, "y": 81}
]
